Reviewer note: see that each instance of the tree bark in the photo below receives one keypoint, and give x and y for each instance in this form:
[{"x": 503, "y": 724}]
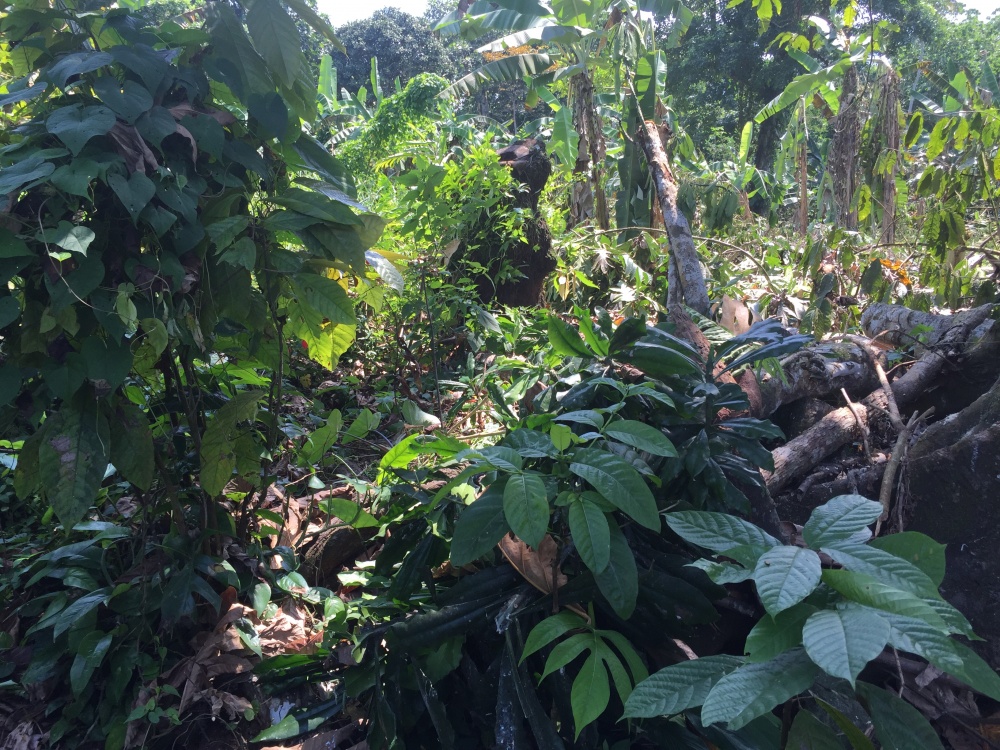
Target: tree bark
[
  {"x": 587, "y": 198},
  {"x": 844, "y": 148},
  {"x": 686, "y": 280}
]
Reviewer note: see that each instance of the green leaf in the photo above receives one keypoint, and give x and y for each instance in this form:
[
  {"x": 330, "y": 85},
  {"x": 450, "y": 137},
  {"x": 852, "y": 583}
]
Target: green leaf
[
  {"x": 76, "y": 177},
  {"x": 326, "y": 296},
  {"x": 75, "y": 64},
  {"x": 21, "y": 173},
  {"x": 308, "y": 14},
  {"x": 619, "y": 483},
  {"x": 134, "y": 192},
  {"x": 89, "y": 655},
  {"x": 565, "y": 340},
  {"x": 619, "y": 581},
  {"x": 858, "y": 739},
  {"x": 754, "y": 689},
  {"x": 882, "y": 566},
  {"x": 10, "y": 310},
  {"x": 775, "y": 635},
  {"x": 127, "y": 100},
  {"x": 77, "y": 124},
  {"x": 507, "y": 69},
  {"x": 719, "y": 532},
  {"x": 591, "y": 534},
  {"x": 276, "y": 38},
  {"x": 567, "y": 651},
  {"x": 132, "y": 445},
  {"x": 915, "y": 548},
  {"x": 414, "y": 415},
  {"x": 914, "y": 129},
  {"x": 975, "y": 672},
  {"x": 785, "y": 576},
  {"x": 218, "y": 449},
  {"x": 319, "y": 207},
  {"x": 349, "y": 512},
  {"x": 261, "y": 597},
  {"x": 480, "y": 527},
  {"x": 72, "y": 460},
  {"x": 365, "y": 422},
  {"x": 678, "y": 687},
  {"x": 531, "y": 444},
  {"x": 526, "y": 507},
  {"x": 842, "y": 641},
  {"x": 591, "y": 692},
  {"x": 839, "y": 519},
  {"x": 548, "y": 630},
  {"x": 898, "y": 725},
  {"x": 866, "y": 590},
  {"x": 641, "y": 436},
  {"x": 660, "y": 361},
  {"x": 74, "y": 239},
  {"x": 809, "y": 733}
]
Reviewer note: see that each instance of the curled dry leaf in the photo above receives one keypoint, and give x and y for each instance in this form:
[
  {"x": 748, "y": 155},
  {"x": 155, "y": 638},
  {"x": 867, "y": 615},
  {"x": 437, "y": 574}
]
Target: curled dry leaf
[{"x": 539, "y": 568}]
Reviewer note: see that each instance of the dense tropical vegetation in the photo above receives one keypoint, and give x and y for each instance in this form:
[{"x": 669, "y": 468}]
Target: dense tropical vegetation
[{"x": 531, "y": 374}]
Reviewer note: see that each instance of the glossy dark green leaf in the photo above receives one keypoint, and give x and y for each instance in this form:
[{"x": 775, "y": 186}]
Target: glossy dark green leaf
[
  {"x": 678, "y": 687},
  {"x": 72, "y": 460},
  {"x": 619, "y": 483},
  {"x": 898, "y": 725},
  {"x": 591, "y": 534},
  {"x": 564, "y": 339},
  {"x": 77, "y": 124},
  {"x": 641, "y": 436},
  {"x": 785, "y": 576},
  {"x": 842, "y": 641},
  {"x": 619, "y": 581},
  {"x": 526, "y": 507},
  {"x": 480, "y": 527},
  {"x": 128, "y": 100},
  {"x": 839, "y": 519}
]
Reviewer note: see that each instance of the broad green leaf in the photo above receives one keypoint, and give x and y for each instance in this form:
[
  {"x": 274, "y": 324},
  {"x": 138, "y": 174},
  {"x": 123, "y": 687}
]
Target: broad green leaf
[
  {"x": 619, "y": 581},
  {"x": 531, "y": 444},
  {"x": 809, "y": 733},
  {"x": 134, "y": 192},
  {"x": 74, "y": 239},
  {"x": 89, "y": 655},
  {"x": 261, "y": 597},
  {"x": 76, "y": 124},
  {"x": 414, "y": 415},
  {"x": 775, "y": 635},
  {"x": 548, "y": 630},
  {"x": 719, "y": 532},
  {"x": 590, "y": 693},
  {"x": 76, "y": 177},
  {"x": 75, "y": 64},
  {"x": 785, "y": 576},
  {"x": 128, "y": 100},
  {"x": 839, "y": 519},
  {"x": 323, "y": 438},
  {"x": 857, "y": 738},
  {"x": 754, "y": 689},
  {"x": 566, "y": 651},
  {"x": 641, "y": 436},
  {"x": 915, "y": 548},
  {"x": 10, "y": 310},
  {"x": 72, "y": 460},
  {"x": 365, "y": 422},
  {"x": 276, "y": 38},
  {"x": 507, "y": 69},
  {"x": 318, "y": 206},
  {"x": 975, "y": 672},
  {"x": 224, "y": 232},
  {"x": 526, "y": 507},
  {"x": 882, "y": 566},
  {"x": 660, "y": 361},
  {"x": 678, "y": 687},
  {"x": 326, "y": 296},
  {"x": 591, "y": 534},
  {"x": 307, "y": 13},
  {"x": 349, "y": 512},
  {"x": 898, "y": 725},
  {"x": 565, "y": 340},
  {"x": 842, "y": 641},
  {"x": 479, "y": 528},
  {"x": 218, "y": 448},
  {"x": 866, "y": 590},
  {"x": 619, "y": 483},
  {"x": 21, "y": 173},
  {"x": 132, "y": 445}
]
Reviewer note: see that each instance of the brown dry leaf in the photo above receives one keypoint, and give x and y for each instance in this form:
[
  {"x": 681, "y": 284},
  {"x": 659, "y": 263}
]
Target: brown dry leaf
[
  {"x": 286, "y": 632},
  {"x": 536, "y": 567},
  {"x": 735, "y": 316},
  {"x": 183, "y": 131},
  {"x": 133, "y": 148}
]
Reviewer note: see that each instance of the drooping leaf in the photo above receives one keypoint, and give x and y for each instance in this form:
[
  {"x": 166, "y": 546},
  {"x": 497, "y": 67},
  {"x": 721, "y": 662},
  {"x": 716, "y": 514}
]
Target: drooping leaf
[
  {"x": 72, "y": 460},
  {"x": 678, "y": 687},
  {"x": 128, "y": 100},
  {"x": 218, "y": 449},
  {"x": 619, "y": 483},
  {"x": 565, "y": 340},
  {"x": 591, "y": 534},
  {"x": 619, "y": 581},
  {"x": 32, "y": 168},
  {"x": 526, "y": 507},
  {"x": 325, "y": 296},
  {"x": 866, "y": 590},
  {"x": 754, "y": 689},
  {"x": 842, "y": 641},
  {"x": 590, "y": 693},
  {"x": 898, "y": 725},
  {"x": 513, "y": 68}
]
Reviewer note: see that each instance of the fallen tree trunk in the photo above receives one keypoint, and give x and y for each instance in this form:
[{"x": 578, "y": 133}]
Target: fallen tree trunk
[
  {"x": 843, "y": 426},
  {"x": 686, "y": 279}
]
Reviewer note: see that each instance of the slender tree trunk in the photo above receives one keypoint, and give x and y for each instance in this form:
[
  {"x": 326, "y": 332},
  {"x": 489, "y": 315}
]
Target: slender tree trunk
[
  {"x": 588, "y": 199},
  {"x": 890, "y": 124},
  {"x": 802, "y": 165},
  {"x": 843, "y": 155},
  {"x": 686, "y": 280}
]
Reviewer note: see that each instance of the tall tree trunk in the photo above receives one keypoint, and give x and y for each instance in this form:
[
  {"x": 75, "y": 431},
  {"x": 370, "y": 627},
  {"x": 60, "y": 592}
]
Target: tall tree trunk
[
  {"x": 587, "y": 199},
  {"x": 843, "y": 154},
  {"x": 890, "y": 124},
  {"x": 686, "y": 280},
  {"x": 802, "y": 169}
]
